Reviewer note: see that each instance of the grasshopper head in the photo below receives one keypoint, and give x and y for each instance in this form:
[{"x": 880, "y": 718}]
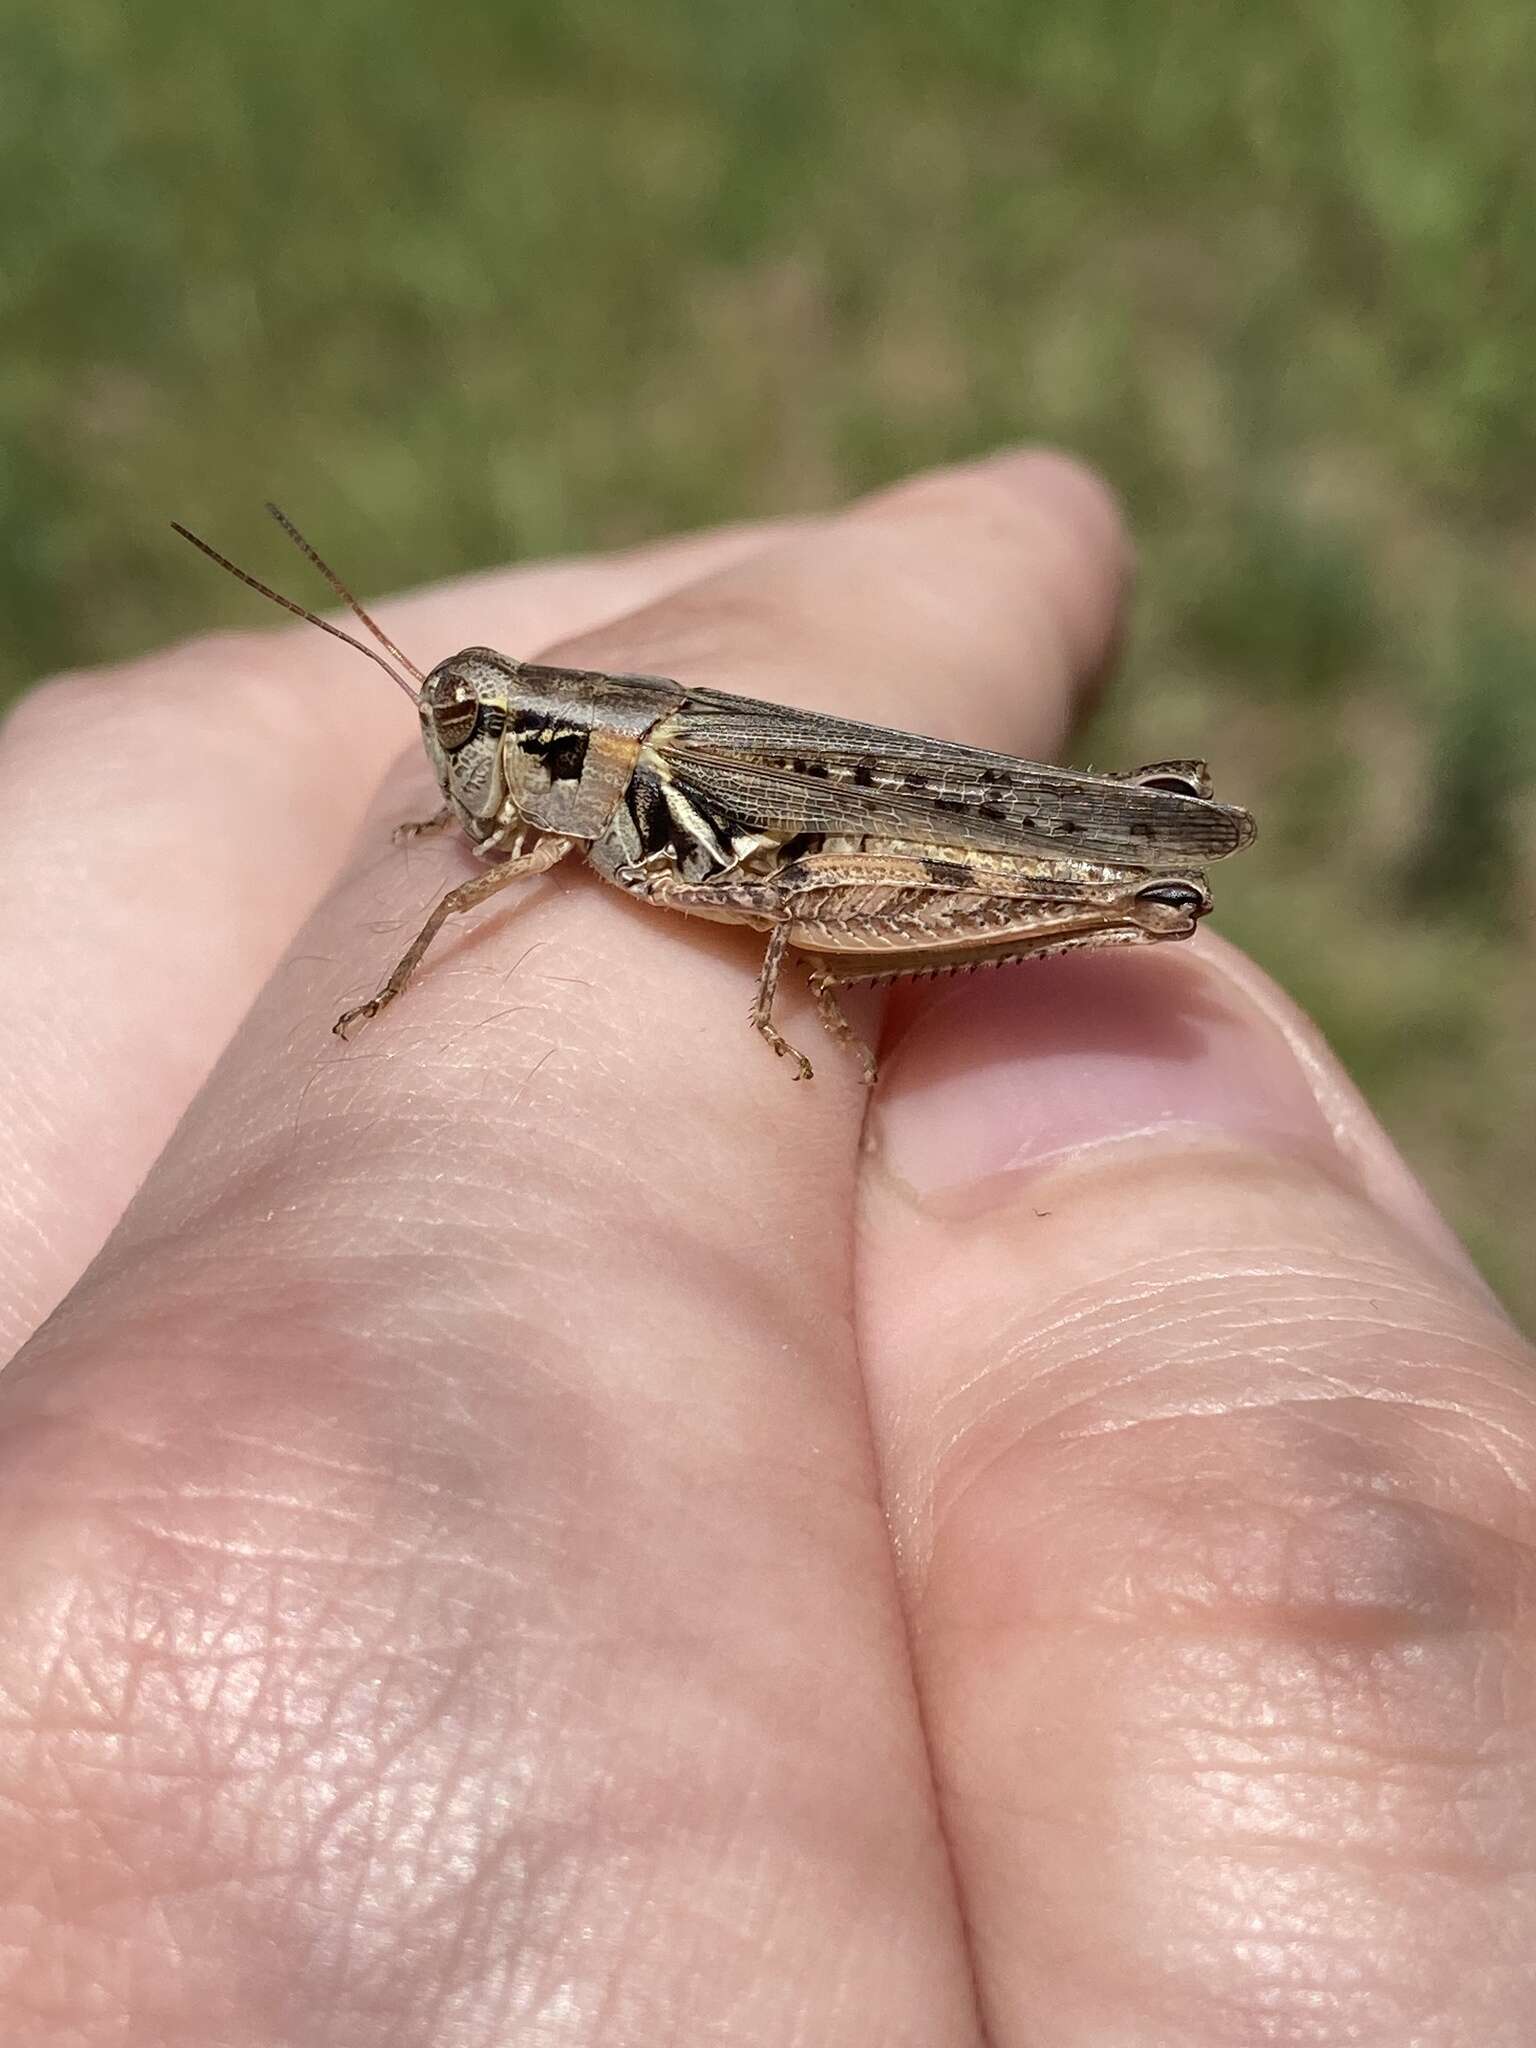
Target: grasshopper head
[{"x": 463, "y": 716}]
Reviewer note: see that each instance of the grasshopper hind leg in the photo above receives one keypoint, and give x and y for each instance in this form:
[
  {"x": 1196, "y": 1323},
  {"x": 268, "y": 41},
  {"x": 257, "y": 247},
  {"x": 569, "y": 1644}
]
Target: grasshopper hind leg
[{"x": 824, "y": 988}]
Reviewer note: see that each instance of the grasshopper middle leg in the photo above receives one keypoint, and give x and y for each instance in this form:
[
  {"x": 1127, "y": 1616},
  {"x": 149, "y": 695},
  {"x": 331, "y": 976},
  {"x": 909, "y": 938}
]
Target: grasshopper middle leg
[
  {"x": 752, "y": 902},
  {"x": 832, "y": 1015},
  {"x": 762, "y": 1004}
]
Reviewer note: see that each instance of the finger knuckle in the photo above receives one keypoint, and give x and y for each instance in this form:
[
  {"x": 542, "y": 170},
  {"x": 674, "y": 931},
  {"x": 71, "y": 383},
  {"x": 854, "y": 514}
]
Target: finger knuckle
[{"x": 1380, "y": 1486}]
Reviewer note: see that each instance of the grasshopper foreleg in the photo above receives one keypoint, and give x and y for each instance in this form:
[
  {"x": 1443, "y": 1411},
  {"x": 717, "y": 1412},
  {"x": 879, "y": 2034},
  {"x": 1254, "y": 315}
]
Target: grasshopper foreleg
[
  {"x": 423, "y": 828},
  {"x": 464, "y": 897}
]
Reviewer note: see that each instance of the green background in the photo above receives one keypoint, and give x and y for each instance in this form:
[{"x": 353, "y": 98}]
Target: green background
[{"x": 468, "y": 282}]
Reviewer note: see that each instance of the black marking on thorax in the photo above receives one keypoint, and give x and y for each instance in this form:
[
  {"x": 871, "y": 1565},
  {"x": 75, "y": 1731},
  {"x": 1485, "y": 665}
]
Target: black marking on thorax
[
  {"x": 560, "y": 749},
  {"x": 648, "y": 807},
  {"x": 701, "y": 837}
]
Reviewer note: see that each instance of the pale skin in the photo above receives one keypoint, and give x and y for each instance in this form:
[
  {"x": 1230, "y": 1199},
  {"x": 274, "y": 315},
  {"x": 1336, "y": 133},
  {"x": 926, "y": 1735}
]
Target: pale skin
[{"x": 536, "y": 1529}]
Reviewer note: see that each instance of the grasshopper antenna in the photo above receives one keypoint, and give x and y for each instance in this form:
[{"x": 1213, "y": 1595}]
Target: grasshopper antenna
[
  {"x": 314, "y": 618},
  {"x": 342, "y": 591}
]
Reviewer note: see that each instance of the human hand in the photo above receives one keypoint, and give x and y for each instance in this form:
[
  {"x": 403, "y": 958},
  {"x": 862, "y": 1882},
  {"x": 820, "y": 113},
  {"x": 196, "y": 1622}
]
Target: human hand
[{"x": 536, "y": 1529}]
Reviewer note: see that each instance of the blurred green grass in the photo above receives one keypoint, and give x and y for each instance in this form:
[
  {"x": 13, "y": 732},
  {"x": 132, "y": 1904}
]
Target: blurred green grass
[{"x": 463, "y": 284}]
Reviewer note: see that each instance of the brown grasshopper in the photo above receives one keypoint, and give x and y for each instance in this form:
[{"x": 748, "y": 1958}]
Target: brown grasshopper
[{"x": 870, "y": 854}]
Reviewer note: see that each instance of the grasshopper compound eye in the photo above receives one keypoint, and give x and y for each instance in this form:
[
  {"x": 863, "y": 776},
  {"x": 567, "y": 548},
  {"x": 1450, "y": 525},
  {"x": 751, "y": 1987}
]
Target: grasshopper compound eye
[{"x": 450, "y": 708}]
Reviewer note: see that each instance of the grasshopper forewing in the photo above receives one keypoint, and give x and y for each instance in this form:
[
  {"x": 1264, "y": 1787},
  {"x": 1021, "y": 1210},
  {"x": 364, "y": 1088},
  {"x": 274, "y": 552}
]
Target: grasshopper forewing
[{"x": 868, "y": 854}]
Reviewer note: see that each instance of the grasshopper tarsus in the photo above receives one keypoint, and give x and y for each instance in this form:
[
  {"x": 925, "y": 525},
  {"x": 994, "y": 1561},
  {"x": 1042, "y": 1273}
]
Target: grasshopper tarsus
[
  {"x": 423, "y": 828},
  {"x": 804, "y": 1071},
  {"x": 342, "y": 1028}
]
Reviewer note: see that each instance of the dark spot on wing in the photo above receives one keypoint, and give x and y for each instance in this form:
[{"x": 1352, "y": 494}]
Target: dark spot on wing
[
  {"x": 800, "y": 845},
  {"x": 953, "y": 874},
  {"x": 864, "y": 773}
]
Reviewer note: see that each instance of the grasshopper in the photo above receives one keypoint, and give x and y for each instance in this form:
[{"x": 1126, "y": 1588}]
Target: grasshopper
[{"x": 869, "y": 854}]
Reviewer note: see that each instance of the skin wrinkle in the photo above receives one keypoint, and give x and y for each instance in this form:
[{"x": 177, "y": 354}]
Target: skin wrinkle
[
  {"x": 238, "y": 1190},
  {"x": 986, "y": 1420},
  {"x": 1309, "y": 1969},
  {"x": 1142, "y": 1288},
  {"x": 1111, "y": 1311},
  {"x": 233, "y": 1207},
  {"x": 1313, "y": 1407},
  {"x": 568, "y": 1365},
  {"x": 1327, "y": 1384},
  {"x": 1272, "y": 1854},
  {"x": 1194, "y": 2004},
  {"x": 1136, "y": 1311}
]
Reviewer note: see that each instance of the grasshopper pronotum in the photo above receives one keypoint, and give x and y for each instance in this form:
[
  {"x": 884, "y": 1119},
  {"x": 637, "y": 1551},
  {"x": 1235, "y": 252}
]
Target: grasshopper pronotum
[{"x": 867, "y": 853}]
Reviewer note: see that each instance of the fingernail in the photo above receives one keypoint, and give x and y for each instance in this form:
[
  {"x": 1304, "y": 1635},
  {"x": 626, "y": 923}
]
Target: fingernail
[{"x": 1025, "y": 1064}]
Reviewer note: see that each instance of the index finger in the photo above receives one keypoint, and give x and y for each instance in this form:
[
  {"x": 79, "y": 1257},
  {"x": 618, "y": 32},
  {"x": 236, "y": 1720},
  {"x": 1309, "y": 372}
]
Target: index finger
[{"x": 506, "y": 1354}]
